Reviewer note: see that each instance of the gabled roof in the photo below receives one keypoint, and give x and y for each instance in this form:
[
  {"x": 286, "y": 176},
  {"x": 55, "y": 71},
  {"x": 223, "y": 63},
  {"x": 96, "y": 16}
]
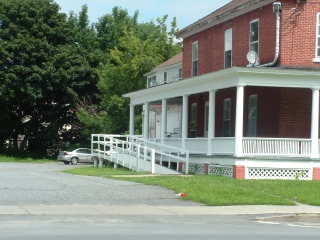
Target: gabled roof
[
  {"x": 231, "y": 10},
  {"x": 172, "y": 61},
  {"x": 177, "y": 59}
]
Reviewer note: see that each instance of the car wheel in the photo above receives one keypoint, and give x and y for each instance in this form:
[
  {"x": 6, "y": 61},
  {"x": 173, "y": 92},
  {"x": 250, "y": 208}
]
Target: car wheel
[
  {"x": 74, "y": 161},
  {"x": 66, "y": 162}
]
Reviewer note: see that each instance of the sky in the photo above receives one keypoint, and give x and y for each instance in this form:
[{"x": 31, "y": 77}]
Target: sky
[{"x": 185, "y": 11}]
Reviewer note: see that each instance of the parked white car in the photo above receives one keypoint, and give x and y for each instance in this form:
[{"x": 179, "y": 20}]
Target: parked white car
[{"x": 79, "y": 155}]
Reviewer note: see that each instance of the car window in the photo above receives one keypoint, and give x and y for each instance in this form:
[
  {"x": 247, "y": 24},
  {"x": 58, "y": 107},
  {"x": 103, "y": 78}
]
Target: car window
[{"x": 84, "y": 150}]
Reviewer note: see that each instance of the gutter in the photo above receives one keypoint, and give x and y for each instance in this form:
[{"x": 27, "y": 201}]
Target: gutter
[{"x": 277, "y": 10}]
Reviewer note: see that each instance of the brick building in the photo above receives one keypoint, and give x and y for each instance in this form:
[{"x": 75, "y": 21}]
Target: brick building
[{"x": 249, "y": 92}]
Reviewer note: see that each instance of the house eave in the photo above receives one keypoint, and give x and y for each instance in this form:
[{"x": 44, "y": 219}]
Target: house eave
[
  {"x": 155, "y": 70},
  {"x": 227, "y": 78},
  {"x": 223, "y": 17}
]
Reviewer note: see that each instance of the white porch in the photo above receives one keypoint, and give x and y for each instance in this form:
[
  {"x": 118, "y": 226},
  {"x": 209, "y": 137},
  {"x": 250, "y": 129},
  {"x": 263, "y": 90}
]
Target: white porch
[
  {"x": 237, "y": 150},
  {"x": 238, "y": 145}
]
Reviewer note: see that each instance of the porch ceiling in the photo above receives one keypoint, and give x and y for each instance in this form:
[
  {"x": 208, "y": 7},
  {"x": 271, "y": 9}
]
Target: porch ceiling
[{"x": 232, "y": 77}]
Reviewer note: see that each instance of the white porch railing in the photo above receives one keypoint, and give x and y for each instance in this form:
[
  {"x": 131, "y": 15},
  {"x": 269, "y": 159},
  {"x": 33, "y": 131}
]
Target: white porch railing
[
  {"x": 288, "y": 147},
  {"x": 251, "y": 146},
  {"x": 136, "y": 153}
]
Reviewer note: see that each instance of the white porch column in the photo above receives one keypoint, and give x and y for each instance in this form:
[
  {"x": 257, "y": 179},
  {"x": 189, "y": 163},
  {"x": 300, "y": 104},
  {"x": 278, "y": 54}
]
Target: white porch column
[
  {"x": 164, "y": 119},
  {"x": 131, "y": 124},
  {"x": 211, "y": 119},
  {"x": 146, "y": 121},
  {"x": 239, "y": 121},
  {"x": 184, "y": 130},
  {"x": 315, "y": 124}
]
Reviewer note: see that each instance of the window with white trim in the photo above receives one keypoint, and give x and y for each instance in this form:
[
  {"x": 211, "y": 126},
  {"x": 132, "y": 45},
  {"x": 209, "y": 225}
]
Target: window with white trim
[
  {"x": 318, "y": 38},
  {"x": 195, "y": 59},
  {"x": 254, "y": 36},
  {"x": 228, "y": 48},
  {"x": 252, "y": 115},
  {"x": 226, "y": 130},
  {"x": 165, "y": 77}
]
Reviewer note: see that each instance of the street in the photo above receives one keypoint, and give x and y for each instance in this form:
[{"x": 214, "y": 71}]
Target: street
[{"x": 38, "y": 201}]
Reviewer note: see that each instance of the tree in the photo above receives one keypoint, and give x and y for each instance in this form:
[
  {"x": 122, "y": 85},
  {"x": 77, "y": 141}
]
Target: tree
[
  {"x": 139, "y": 49},
  {"x": 43, "y": 72},
  {"x": 111, "y": 27}
]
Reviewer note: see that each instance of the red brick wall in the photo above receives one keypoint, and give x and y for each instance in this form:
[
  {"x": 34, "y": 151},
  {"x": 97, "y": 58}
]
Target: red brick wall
[
  {"x": 281, "y": 112},
  {"x": 298, "y": 39},
  {"x": 211, "y": 42},
  {"x": 295, "y": 113},
  {"x": 267, "y": 113}
]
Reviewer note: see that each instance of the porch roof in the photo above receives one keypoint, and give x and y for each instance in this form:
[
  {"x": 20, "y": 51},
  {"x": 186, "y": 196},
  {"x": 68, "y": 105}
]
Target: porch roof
[{"x": 232, "y": 77}]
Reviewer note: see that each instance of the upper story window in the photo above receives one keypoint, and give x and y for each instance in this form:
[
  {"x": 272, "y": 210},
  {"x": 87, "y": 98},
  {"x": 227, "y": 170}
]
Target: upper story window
[
  {"x": 152, "y": 81},
  {"x": 195, "y": 59},
  {"x": 165, "y": 77},
  {"x": 228, "y": 48},
  {"x": 317, "y": 58},
  {"x": 254, "y": 36},
  {"x": 180, "y": 73}
]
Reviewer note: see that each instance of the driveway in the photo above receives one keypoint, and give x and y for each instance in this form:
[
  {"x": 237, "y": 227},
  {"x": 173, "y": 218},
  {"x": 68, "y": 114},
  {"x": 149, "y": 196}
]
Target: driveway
[{"x": 46, "y": 184}]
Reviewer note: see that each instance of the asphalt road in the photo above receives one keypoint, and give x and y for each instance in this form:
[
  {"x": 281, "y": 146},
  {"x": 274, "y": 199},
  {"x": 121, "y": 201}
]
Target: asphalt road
[{"x": 38, "y": 201}]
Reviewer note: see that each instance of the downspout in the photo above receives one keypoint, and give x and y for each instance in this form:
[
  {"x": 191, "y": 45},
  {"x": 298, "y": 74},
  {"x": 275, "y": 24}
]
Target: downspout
[{"x": 277, "y": 10}]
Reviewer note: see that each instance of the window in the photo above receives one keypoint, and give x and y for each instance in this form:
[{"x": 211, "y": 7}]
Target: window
[
  {"x": 317, "y": 58},
  {"x": 254, "y": 36},
  {"x": 165, "y": 77},
  {"x": 180, "y": 73},
  {"x": 228, "y": 48},
  {"x": 226, "y": 117},
  {"x": 195, "y": 59},
  {"x": 252, "y": 115},
  {"x": 152, "y": 81},
  {"x": 193, "y": 123}
]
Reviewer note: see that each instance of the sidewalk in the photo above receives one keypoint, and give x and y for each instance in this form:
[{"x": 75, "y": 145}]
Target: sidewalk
[{"x": 78, "y": 209}]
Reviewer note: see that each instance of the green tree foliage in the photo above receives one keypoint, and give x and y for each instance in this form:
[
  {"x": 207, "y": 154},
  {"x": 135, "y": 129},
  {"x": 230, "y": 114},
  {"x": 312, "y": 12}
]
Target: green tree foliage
[
  {"x": 111, "y": 27},
  {"x": 140, "y": 48},
  {"x": 62, "y": 79},
  {"x": 44, "y": 69}
]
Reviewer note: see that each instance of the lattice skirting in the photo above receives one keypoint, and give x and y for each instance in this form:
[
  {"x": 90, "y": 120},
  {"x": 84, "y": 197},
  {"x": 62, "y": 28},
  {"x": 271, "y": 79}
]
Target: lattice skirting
[
  {"x": 196, "y": 168},
  {"x": 213, "y": 170},
  {"x": 254, "y": 172},
  {"x": 221, "y": 170},
  {"x": 278, "y": 173}
]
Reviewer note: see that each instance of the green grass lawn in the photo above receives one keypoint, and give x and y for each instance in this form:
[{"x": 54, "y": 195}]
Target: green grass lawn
[{"x": 222, "y": 191}]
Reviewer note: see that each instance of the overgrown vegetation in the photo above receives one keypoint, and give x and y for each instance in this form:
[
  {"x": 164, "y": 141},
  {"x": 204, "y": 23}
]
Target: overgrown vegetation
[
  {"x": 222, "y": 191},
  {"x": 4, "y": 158}
]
